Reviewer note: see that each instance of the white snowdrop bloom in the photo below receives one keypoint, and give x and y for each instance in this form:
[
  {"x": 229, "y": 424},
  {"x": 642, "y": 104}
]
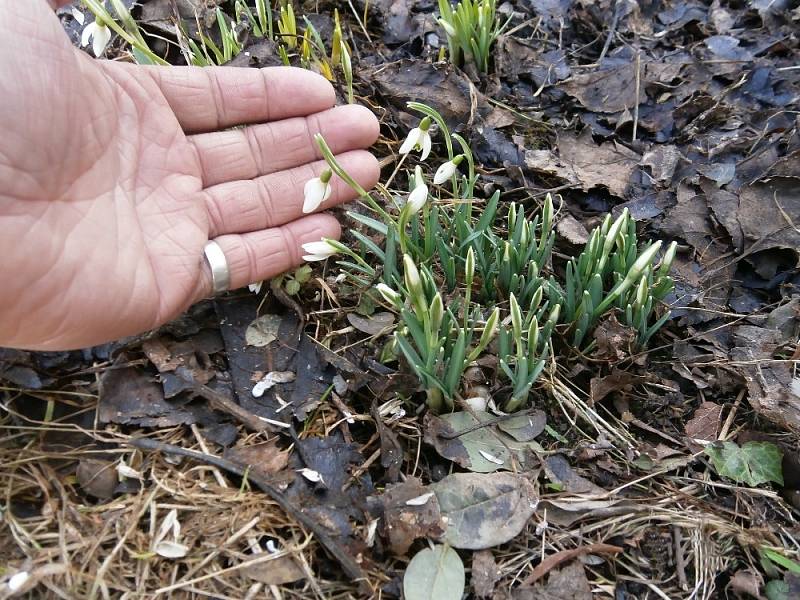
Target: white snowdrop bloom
[
  {"x": 255, "y": 287},
  {"x": 418, "y": 138},
  {"x": 390, "y": 295},
  {"x": 316, "y": 191},
  {"x": 447, "y": 170},
  {"x": 99, "y": 35},
  {"x": 417, "y": 198},
  {"x": 318, "y": 250}
]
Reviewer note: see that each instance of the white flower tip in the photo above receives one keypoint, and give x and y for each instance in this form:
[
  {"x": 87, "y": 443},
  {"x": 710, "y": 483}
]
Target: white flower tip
[
  {"x": 417, "y": 198},
  {"x": 18, "y": 580}
]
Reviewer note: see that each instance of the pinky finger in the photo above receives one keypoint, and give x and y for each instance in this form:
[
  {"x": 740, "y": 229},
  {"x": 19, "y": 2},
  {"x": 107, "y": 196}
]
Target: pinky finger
[{"x": 267, "y": 253}]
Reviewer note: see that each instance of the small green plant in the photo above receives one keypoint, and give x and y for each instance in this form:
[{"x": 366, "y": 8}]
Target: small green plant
[
  {"x": 454, "y": 276},
  {"x": 471, "y": 28},
  {"x": 613, "y": 272}
]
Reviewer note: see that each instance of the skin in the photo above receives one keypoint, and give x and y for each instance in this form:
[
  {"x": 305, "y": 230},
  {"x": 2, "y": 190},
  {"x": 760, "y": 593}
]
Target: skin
[{"x": 114, "y": 176}]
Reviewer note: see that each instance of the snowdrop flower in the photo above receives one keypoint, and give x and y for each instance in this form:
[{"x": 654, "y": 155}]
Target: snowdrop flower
[
  {"x": 316, "y": 191},
  {"x": 418, "y": 139},
  {"x": 447, "y": 170},
  {"x": 255, "y": 287},
  {"x": 419, "y": 195},
  {"x": 319, "y": 250},
  {"x": 99, "y": 35},
  {"x": 390, "y": 295}
]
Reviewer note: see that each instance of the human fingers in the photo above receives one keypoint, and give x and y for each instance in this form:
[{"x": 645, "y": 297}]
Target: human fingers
[
  {"x": 268, "y": 148},
  {"x": 264, "y": 254},
  {"x": 212, "y": 98},
  {"x": 57, "y": 3},
  {"x": 276, "y": 199}
]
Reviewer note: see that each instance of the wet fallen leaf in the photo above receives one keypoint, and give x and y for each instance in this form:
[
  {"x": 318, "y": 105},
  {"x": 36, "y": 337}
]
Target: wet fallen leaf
[
  {"x": 434, "y": 574},
  {"x": 753, "y": 463},
  {"x": 484, "y": 510},
  {"x": 376, "y": 324},
  {"x": 406, "y": 518},
  {"x": 484, "y": 573},
  {"x": 482, "y": 450},
  {"x": 559, "y": 471},
  {"x": 98, "y": 478},
  {"x": 263, "y": 330},
  {"x": 704, "y": 424},
  {"x": 279, "y": 571},
  {"x": 573, "y": 230},
  {"x": 265, "y": 459},
  {"x": 567, "y": 583},
  {"x": 524, "y": 428},
  {"x": 746, "y": 581}
]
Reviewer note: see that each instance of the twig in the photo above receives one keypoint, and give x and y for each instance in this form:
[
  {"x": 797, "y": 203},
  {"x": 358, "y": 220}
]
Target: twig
[
  {"x": 680, "y": 560},
  {"x": 334, "y": 548},
  {"x": 611, "y": 31},
  {"x": 552, "y": 561},
  {"x": 224, "y": 404},
  {"x": 638, "y": 94}
]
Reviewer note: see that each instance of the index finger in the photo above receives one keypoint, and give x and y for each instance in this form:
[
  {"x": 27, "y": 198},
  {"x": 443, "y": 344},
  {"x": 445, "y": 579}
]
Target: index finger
[{"x": 212, "y": 98}]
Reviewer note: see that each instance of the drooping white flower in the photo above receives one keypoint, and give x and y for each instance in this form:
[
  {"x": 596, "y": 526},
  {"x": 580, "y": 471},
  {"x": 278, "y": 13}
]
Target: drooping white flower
[
  {"x": 319, "y": 250},
  {"x": 255, "y": 287},
  {"x": 418, "y": 139},
  {"x": 390, "y": 295},
  {"x": 99, "y": 35},
  {"x": 417, "y": 198},
  {"x": 447, "y": 170},
  {"x": 316, "y": 191}
]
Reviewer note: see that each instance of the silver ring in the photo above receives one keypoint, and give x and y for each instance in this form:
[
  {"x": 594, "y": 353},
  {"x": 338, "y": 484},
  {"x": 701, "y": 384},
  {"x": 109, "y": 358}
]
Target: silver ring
[{"x": 220, "y": 273}]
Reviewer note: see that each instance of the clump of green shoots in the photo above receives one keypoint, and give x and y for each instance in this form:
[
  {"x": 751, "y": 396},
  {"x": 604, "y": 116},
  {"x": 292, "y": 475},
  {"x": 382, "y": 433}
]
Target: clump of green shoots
[
  {"x": 613, "y": 272},
  {"x": 471, "y": 28},
  {"x": 455, "y": 277}
]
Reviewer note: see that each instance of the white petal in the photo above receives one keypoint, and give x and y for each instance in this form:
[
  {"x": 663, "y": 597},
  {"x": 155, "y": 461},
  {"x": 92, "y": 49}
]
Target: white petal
[
  {"x": 311, "y": 475},
  {"x": 411, "y": 141},
  {"x": 255, "y": 287},
  {"x": 426, "y": 145},
  {"x": 87, "y": 34},
  {"x": 100, "y": 39},
  {"x": 313, "y": 257},
  {"x": 313, "y": 194},
  {"x": 321, "y": 248},
  {"x": 18, "y": 580},
  {"x": 169, "y": 549},
  {"x": 78, "y": 16},
  {"x": 417, "y": 198},
  {"x": 444, "y": 172},
  {"x": 491, "y": 457},
  {"x": 420, "y": 500}
]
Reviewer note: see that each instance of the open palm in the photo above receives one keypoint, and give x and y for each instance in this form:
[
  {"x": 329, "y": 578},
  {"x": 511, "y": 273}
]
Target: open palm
[{"x": 114, "y": 177}]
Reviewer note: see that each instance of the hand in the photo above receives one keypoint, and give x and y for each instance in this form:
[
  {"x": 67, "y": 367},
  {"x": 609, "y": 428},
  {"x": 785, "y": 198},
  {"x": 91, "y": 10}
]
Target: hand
[{"x": 113, "y": 177}]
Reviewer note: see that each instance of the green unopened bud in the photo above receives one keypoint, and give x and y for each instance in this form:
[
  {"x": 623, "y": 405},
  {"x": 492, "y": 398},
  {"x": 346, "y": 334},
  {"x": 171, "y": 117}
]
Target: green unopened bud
[
  {"x": 411, "y": 277},
  {"x": 537, "y": 298},
  {"x": 469, "y": 267},
  {"x": 391, "y": 296},
  {"x": 436, "y": 312},
  {"x": 488, "y": 333},
  {"x": 641, "y": 291},
  {"x": 533, "y": 336},
  {"x": 425, "y": 124},
  {"x": 516, "y": 317},
  {"x": 669, "y": 256},
  {"x": 642, "y": 263},
  {"x": 613, "y": 232}
]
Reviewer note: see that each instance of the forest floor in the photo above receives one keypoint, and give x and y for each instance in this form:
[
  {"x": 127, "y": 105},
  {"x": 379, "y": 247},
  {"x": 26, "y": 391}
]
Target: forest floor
[{"x": 147, "y": 467}]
